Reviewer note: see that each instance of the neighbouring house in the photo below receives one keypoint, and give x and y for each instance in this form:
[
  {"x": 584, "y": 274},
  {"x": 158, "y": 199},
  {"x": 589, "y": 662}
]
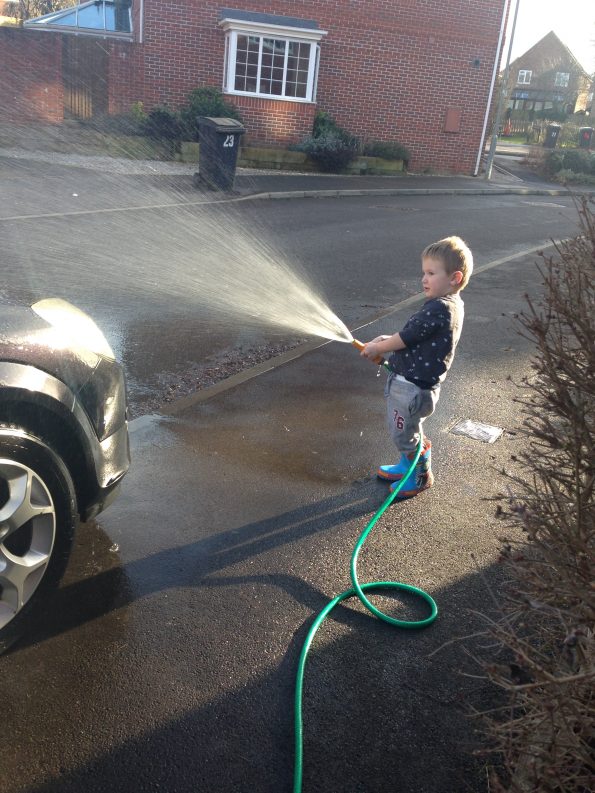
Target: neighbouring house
[
  {"x": 420, "y": 73},
  {"x": 549, "y": 77}
]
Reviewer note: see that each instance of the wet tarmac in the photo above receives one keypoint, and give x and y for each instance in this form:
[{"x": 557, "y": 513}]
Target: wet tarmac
[
  {"x": 168, "y": 663},
  {"x": 166, "y": 660},
  {"x": 130, "y": 268}
]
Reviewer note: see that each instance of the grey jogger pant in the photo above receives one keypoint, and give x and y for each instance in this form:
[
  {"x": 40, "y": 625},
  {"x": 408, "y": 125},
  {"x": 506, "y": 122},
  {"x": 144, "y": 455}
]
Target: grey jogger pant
[{"x": 407, "y": 406}]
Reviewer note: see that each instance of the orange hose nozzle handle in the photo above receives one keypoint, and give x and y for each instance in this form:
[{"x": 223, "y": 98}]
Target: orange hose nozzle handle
[{"x": 360, "y": 346}]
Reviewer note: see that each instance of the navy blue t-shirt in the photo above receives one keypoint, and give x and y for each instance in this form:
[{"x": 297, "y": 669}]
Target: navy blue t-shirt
[{"x": 431, "y": 336}]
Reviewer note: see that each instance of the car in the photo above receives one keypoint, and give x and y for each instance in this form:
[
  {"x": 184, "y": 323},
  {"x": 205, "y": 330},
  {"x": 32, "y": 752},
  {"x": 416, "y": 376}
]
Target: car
[{"x": 64, "y": 447}]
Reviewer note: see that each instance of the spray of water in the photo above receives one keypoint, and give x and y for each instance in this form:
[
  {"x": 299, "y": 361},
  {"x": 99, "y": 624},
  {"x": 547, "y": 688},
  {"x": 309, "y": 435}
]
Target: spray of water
[
  {"x": 217, "y": 261},
  {"x": 242, "y": 275}
]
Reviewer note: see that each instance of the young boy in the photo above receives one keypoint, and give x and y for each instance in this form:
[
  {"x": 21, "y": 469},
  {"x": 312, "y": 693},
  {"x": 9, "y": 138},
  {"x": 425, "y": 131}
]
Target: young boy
[{"x": 419, "y": 356}]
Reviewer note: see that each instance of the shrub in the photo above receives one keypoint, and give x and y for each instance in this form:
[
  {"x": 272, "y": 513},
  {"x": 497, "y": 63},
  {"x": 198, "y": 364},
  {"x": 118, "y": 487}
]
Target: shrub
[
  {"x": 323, "y": 124},
  {"x": 388, "y": 150},
  {"x": 577, "y": 160},
  {"x": 554, "y": 162},
  {"x": 163, "y": 124},
  {"x": 329, "y": 145},
  {"x": 330, "y": 151},
  {"x": 205, "y": 101},
  {"x": 544, "y": 640},
  {"x": 137, "y": 112},
  {"x": 566, "y": 176}
]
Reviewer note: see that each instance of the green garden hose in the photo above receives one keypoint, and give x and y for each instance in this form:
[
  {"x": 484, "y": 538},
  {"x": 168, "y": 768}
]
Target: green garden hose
[{"x": 357, "y": 590}]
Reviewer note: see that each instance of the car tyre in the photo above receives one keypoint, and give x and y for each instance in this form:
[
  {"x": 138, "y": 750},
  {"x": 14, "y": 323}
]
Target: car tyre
[{"x": 38, "y": 517}]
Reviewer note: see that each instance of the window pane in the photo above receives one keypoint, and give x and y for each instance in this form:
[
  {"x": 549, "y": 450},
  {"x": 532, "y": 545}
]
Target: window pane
[
  {"x": 276, "y": 70},
  {"x": 92, "y": 17}
]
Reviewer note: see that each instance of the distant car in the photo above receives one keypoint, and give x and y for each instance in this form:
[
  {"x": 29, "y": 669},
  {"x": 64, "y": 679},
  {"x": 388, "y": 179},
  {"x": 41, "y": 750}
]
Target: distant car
[{"x": 63, "y": 447}]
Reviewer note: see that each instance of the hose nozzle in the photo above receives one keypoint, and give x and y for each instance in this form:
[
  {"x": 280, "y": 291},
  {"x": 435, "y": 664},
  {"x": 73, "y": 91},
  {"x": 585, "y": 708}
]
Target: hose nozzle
[{"x": 360, "y": 346}]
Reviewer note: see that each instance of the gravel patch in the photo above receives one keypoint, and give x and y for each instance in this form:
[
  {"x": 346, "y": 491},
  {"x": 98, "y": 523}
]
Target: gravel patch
[{"x": 171, "y": 386}]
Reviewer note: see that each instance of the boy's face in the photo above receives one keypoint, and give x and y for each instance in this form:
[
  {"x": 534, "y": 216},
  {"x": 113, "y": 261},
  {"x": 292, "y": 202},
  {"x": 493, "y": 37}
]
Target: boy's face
[{"x": 436, "y": 282}]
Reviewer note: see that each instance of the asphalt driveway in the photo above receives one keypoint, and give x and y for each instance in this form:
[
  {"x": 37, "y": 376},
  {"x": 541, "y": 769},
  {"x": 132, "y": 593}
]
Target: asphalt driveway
[{"x": 171, "y": 663}]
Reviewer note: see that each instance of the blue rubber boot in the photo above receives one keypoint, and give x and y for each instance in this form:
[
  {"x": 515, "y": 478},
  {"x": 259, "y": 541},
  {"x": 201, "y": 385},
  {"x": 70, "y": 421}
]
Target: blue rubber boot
[
  {"x": 421, "y": 478},
  {"x": 394, "y": 473}
]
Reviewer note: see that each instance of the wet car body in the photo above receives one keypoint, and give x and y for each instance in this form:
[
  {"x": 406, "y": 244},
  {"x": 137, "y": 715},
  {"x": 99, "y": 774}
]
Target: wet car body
[{"x": 63, "y": 449}]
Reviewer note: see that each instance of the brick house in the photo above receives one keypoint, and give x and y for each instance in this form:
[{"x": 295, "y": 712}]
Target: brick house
[
  {"x": 419, "y": 72},
  {"x": 548, "y": 76}
]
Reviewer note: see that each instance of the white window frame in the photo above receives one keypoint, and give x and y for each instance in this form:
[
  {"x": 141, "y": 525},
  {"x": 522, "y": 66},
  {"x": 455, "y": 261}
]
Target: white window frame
[
  {"x": 527, "y": 74},
  {"x": 562, "y": 79},
  {"x": 310, "y": 36}
]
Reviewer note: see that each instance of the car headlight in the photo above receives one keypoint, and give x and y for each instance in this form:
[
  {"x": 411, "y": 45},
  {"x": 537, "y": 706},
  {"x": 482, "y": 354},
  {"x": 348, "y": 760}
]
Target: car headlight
[{"x": 74, "y": 324}]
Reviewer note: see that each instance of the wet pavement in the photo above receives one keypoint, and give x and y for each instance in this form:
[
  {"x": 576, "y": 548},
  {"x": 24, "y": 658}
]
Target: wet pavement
[
  {"x": 171, "y": 663},
  {"x": 126, "y": 248},
  {"x": 166, "y": 661}
]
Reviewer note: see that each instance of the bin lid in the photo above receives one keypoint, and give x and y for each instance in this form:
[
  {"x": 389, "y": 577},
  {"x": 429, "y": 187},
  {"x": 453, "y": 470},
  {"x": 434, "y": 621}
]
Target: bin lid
[{"x": 228, "y": 125}]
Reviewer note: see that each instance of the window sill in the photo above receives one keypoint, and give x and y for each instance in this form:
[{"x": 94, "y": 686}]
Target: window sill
[{"x": 295, "y": 99}]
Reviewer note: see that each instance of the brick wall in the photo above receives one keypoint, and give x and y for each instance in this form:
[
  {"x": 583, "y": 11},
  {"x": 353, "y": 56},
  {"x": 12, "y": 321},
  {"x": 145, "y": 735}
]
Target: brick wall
[
  {"x": 268, "y": 121},
  {"x": 389, "y": 69},
  {"x": 30, "y": 76},
  {"x": 125, "y": 81}
]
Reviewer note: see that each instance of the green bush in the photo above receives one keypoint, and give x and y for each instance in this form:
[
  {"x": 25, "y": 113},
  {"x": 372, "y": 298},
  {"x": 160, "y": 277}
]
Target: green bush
[
  {"x": 566, "y": 176},
  {"x": 388, "y": 150},
  {"x": 331, "y": 151},
  {"x": 137, "y": 112},
  {"x": 324, "y": 123},
  {"x": 577, "y": 160},
  {"x": 163, "y": 124},
  {"x": 330, "y": 146},
  {"x": 554, "y": 162},
  {"x": 205, "y": 101}
]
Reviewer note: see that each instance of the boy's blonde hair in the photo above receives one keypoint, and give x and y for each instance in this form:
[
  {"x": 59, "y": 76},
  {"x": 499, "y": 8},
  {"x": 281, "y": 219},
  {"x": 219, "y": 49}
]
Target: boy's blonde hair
[{"x": 455, "y": 255}]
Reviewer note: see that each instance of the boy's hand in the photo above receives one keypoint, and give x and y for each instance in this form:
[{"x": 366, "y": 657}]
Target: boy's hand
[{"x": 371, "y": 350}]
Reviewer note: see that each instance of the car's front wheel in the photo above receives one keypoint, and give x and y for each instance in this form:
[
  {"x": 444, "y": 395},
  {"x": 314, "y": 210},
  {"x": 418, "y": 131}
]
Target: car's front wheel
[{"x": 37, "y": 522}]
